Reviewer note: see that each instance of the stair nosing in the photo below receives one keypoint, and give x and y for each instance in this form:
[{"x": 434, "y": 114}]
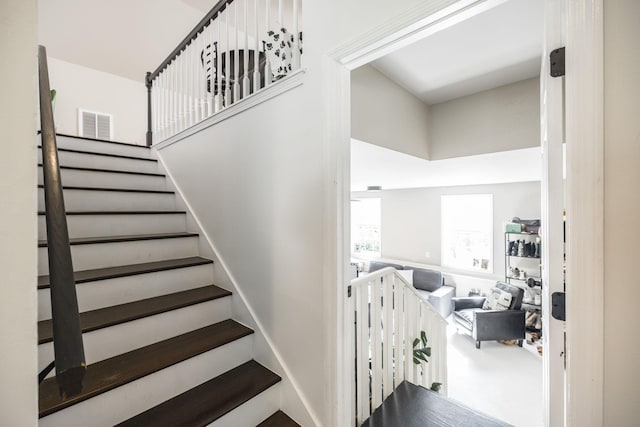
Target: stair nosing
[
  {"x": 95, "y": 153},
  {"x": 120, "y": 239},
  {"x": 124, "y": 190},
  {"x": 45, "y": 333},
  {"x": 268, "y": 377},
  {"x": 121, "y": 212},
  {"x": 145, "y": 268},
  {"x": 99, "y": 140},
  {"x": 278, "y": 414},
  {"x": 102, "y": 170},
  {"x": 156, "y": 348}
]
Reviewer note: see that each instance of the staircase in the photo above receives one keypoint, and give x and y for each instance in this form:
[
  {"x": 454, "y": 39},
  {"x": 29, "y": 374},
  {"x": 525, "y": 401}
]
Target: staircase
[{"x": 160, "y": 345}]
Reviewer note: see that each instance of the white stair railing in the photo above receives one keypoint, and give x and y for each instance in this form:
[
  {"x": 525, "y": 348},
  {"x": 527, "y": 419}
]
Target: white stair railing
[
  {"x": 239, "y": 48},
  {"x": 388, "y": 316}
]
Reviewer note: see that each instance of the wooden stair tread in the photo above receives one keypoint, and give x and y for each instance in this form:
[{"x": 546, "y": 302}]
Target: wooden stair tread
[
  {"x": 121, "y": 212},
  {"x": 279, "y": 419},
  {"x": 210, "y": 400},
  {"x": 94, "y": 153},
  {"x": 123, "y": 190},
  {"x": 129, "y": 270},
  {"x": 114, "y": 315},
  {"x": 108, "y": 374},
  {"x": 127, "y": 238},
  {"x": 79, "y": 168},
  {"x": 414, "y": 406}
]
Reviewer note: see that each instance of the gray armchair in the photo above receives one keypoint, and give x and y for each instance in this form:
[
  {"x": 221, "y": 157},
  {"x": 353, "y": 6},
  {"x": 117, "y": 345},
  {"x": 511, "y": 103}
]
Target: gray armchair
[{"x": 490, "y": 325}]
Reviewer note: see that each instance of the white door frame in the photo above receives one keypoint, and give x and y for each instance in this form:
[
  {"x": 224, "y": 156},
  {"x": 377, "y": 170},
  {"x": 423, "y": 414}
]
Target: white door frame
[{"x": 584, "y": 124}]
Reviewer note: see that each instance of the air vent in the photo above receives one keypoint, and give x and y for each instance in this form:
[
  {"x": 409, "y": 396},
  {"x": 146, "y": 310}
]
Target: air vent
[{"x": 95, "y": 125}]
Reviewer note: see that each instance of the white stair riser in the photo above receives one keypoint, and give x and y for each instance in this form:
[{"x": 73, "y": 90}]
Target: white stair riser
[
  {"x": 103, "y": 147},
  {"x": 131, "y": 399},
  {"x": 100, "y": 255},
  {"x": 118, "y": 225},
  {"x": 254, "y": 411},
  {"x": 89, "y": 200},
  {"x": 95, "y": 179},
  {"x": 114, "y": 340},
  {"x": 69, "y": 158},
  {"x": 105, "y": 293}
]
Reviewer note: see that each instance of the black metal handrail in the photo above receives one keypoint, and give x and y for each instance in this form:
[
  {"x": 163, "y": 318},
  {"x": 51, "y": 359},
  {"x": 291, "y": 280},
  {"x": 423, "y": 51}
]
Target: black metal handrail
[
  {"x": 67, "y": 335},
  {"x": 204, "y": 22}
]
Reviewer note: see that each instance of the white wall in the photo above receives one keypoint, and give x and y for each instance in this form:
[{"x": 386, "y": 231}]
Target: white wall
[
  {"x": 18, "y": 228},
  {"x": 411, "y": 219},
  {"x": 500, "y": 119},
  {"x": 89, "y": 89},
  {"x": 621, "y": 210},
  {"x": 385, "y": 114},
  {"x": 258, "y": 182}
]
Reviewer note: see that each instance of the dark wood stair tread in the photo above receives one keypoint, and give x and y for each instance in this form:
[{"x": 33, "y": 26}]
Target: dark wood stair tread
[
  {"x": 122, "y": 190},
  {"x": 129, "y": 270},
  {"x": 94, "y": 153},
  {"x": 114, "y": 315},
  {"x": 210, "y": 400},
  {"x": 279, "y": 419},
  {"x": 122, "y": 369},
  {"x": 413, "y": 406},
  {"x": 79, "y": 168},
  {"x": 121, "y": 212},
  {"x": 118, "y": 239}
]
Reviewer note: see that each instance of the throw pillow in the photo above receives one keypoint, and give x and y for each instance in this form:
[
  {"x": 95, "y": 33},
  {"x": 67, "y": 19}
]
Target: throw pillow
[
  {"x": 407, "y": 275},
  {"x": 497, "y": 300}
]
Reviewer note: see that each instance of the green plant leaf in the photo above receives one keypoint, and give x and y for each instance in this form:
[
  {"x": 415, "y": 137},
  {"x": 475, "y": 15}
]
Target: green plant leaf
[
  {"x": 416, "y": 361},
  {"x": 436, "y": 387},
  {"x": 53, "y": 94},
  {"x": 423, "y": 335},
  {"x": 416, "y": 342}
]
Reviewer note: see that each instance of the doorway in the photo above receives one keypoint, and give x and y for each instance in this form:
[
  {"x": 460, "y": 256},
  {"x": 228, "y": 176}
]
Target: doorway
[{"x": 354, "y": 55}]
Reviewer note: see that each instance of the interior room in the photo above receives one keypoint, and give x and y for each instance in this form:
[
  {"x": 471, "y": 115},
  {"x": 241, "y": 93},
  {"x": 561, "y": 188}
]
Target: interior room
[{"x": 445, "y": 177}]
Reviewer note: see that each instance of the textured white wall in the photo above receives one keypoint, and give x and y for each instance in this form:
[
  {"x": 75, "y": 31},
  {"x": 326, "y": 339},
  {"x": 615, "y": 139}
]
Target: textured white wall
[
  {"x": 411, "y": 219},
  {"x": 18, "y": 228},
  {"x": 385, "y": 114},
  {"x": 93, "y": 90},
  {"x": 500, "y": 119},
  {"x": 621, "y": 210}
]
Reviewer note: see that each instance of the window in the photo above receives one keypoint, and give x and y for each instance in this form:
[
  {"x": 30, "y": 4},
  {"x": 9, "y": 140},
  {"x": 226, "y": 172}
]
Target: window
[
  {"x": 467, "y": 232},
  {"x": 365, "y": 228}
]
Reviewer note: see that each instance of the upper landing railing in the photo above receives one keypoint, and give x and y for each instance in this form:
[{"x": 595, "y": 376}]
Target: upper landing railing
[{"x": 237, "y": 49}]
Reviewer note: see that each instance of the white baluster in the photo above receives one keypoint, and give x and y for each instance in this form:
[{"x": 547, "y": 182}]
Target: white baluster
[
  {"x": 280, "y": 20},
  {"x": 210, "y": 43},
  {"x": 190, "y": 78},
  {"x": 362, "y": 350},
  {"x": 398, "y": 339},
  {"x": 256, "y": 49},
  {"x": 220, "y": 100},
  {"x": 202, "y": 84},
  {"x": 180, "y": 76},
  {"x": 376, "y": 339},
  {"x": 387, "y": 330},
  {"x": 296, "y": 37},
  {"x": 267, "y": 68},
  {"x": 185, "y": 89},
  {"x": 227, "y": 89},
  {"x": 408, "y": 335},
  {"x": 236, "y": 65},
  {"x": 245, "y": 79}
]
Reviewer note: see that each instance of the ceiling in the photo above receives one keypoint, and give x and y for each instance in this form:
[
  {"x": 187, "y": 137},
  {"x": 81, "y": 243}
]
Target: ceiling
[
  {"x": 121, "y": 37},
  {"x": 499, "y": 46},
  {"x": 375, "y": 165}
]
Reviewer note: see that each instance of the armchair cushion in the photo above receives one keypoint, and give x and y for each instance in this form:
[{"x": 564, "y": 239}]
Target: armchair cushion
[
  {"x": 426, "y": 280},
  {"x": 379, "y": 265}
]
